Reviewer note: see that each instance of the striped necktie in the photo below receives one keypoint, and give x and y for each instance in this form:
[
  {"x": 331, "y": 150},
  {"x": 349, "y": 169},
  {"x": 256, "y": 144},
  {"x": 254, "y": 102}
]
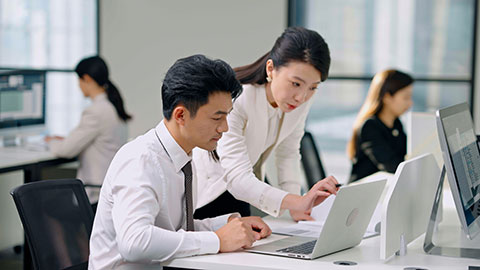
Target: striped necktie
[{"x": 187, "y": 170}]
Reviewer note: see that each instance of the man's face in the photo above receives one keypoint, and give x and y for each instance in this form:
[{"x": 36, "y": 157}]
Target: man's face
[{"x": 206, "y": 127}]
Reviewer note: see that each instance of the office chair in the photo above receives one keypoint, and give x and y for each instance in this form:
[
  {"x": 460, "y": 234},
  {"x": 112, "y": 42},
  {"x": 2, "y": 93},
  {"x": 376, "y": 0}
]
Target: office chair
[
  {"x": 57, "y": 219},
  {"x": 312, "y": 164}
]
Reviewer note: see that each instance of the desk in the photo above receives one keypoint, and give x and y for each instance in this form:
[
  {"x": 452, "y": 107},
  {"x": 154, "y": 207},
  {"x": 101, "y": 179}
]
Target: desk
[
  {"x": 366, "y": 254},
  {"x": 31, "y": 163}
]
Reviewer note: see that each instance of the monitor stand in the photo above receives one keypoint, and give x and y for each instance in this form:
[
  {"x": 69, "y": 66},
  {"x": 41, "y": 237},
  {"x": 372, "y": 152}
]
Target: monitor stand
[{"x": 428, "y": 246}]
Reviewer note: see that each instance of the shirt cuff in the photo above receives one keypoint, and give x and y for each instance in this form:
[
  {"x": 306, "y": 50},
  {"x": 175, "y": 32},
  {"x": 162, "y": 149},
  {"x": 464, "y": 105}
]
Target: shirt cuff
[
  {"x": 210, "y": 243},
  {"x": 220, "y": 221},
  {"x": 271, "y": 201}
]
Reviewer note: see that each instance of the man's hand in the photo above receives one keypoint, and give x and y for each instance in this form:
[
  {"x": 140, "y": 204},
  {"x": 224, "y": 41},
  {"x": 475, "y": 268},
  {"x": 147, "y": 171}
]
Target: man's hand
[
  {"x": 241, "y": 233},
  {"x": 259, "y": 227},
  {"x": 235, "y": 235}
]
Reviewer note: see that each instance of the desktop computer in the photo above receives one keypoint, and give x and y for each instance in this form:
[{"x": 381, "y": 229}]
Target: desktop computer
[
  {"x": 22, "y": 103},
  {"x": 461, "y": 157},
  {"x": 462, "y": 163}
]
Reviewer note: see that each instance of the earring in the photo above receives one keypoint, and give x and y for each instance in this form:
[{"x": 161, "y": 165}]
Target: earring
[{"x": 269, "y": 79}]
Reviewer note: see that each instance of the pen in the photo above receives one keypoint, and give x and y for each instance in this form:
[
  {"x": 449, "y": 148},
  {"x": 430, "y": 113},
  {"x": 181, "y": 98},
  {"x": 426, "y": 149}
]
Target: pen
[{"x": 336, "y": 185}]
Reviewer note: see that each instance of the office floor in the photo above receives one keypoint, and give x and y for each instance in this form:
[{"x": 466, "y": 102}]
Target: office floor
[{"x": 9, "y": 260}]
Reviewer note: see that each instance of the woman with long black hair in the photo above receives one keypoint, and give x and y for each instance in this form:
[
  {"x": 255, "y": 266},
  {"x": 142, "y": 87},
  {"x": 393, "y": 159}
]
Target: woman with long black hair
[
  {"x": 268, "y": 118},
  {"x": 102, "y": 129},
  {"x": 378, "y": 142}
]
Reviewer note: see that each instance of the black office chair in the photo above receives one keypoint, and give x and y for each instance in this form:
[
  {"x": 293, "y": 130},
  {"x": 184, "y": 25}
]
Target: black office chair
[
  {"x": 57, "y": 219},
  {"x": 312, "y": 164}
]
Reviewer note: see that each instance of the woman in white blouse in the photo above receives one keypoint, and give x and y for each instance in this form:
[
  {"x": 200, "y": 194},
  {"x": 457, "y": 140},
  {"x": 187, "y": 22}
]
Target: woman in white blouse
[
  {"x": 102, "y": 129},
  {"x": 267, "y": 118}
]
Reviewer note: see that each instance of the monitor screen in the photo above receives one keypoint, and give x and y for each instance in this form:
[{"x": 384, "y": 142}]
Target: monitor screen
[
  {"x": 462, "y": 162},
  {"x": 22, "y": 98}
]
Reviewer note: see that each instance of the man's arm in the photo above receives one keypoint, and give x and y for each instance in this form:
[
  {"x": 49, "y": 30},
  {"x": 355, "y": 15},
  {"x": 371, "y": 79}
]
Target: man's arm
[{"x": 135, "y": 208}]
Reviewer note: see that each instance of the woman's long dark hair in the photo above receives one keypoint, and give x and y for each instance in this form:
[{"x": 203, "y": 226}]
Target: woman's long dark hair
[
  {"x": 385, "y": 82},
  {"x": 295, "y": 44},
  {"x": 96, "y": 68}
]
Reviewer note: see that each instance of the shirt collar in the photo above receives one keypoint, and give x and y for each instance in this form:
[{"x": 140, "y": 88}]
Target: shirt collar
[
  {"x": 173, "y": 150},
  {"x": 101, "y": 96}
]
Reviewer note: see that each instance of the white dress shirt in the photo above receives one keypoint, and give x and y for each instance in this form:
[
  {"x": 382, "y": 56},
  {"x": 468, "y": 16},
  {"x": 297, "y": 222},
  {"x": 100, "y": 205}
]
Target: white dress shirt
[
  {"x": 140, "y": 219},
  {"x": 274, "y": 115},
  {"x": 253, "y": 126},
  {"x": 95, "y": 141}
]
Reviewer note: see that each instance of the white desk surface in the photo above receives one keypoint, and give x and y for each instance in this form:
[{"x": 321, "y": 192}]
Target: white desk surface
[
  {"x": 19, "y": 156},
  {"x": 366, "y": 254}
]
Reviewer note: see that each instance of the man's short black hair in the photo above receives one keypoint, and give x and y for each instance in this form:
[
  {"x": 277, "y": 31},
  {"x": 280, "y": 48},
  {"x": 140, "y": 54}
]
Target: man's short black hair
[{"x": 191, "y": 80}]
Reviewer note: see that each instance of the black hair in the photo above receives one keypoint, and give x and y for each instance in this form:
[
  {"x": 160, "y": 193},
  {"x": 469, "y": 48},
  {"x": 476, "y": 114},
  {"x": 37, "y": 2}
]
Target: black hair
[
  {"x": 191, "y": 80},
  {"x": 96, "y": 68},
  {"x": 295, "y": 44}
]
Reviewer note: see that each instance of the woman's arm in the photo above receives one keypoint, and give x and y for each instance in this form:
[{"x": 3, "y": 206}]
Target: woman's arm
[
  {"x": 238, "y": 173},
  {"x": 80, "y": 137}
]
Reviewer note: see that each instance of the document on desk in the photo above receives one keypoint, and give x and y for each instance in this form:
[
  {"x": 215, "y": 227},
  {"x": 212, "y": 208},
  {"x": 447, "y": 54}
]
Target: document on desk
[{"x": 320, "y": 213}]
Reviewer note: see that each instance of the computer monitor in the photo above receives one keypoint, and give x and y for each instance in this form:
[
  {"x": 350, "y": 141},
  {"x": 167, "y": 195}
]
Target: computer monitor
[
  {"x": 461, "y": 156},
  {"x": 22, "y": 100}
]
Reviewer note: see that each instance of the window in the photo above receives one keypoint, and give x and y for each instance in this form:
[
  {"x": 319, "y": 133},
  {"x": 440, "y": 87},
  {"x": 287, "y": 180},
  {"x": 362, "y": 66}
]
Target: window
[
  {"x": 431, "y": 40},
  {"x": 51, "y": 35}
]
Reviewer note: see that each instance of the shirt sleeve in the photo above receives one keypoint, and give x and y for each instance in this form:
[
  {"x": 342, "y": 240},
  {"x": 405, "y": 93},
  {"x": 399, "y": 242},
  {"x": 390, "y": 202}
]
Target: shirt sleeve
[
  {"x": 79, "y": 138},
  {"x": 212, "y": 224},
  {"x": 377, "y": 147},
  {"x": 241, "y": 181},
  {"x": 135, "y": 208}
]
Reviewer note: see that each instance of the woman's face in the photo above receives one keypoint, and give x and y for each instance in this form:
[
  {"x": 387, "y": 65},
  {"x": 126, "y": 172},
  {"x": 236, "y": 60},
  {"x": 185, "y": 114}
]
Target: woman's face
[
  {"x": 83, "y": 86},
  {"x": 291, "y": 85},
  {"x": 400, "y": 102}
]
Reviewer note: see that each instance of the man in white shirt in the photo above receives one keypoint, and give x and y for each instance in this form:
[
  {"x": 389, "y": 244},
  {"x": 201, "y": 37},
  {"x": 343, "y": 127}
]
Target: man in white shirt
[{"x": 145, "y": 213}]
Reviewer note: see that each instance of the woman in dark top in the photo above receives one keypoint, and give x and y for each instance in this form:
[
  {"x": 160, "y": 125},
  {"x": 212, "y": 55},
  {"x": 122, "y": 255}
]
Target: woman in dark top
[{"x": 378, "y": 141}]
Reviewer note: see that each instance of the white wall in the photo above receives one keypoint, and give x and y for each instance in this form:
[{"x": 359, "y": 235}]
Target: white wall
[{"x": 142, "y": 39}]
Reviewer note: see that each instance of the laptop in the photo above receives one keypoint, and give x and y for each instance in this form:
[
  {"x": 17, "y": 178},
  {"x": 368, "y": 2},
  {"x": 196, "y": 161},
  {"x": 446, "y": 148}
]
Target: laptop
[{"x": 344, "y": 227}]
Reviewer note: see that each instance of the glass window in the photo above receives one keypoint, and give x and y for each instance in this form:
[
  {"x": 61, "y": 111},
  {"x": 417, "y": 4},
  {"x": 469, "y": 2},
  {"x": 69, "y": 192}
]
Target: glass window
[
  {"x": 65, "y": 102},
  {"x": 431, "y": 40},
  {"x": 47, "y": 34},
  {"x": 51, "y": 35},
  {"x": 427, "y": 38}
]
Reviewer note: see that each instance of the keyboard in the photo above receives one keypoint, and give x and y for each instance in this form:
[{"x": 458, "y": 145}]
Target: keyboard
[{"x": 305, "y": 248}]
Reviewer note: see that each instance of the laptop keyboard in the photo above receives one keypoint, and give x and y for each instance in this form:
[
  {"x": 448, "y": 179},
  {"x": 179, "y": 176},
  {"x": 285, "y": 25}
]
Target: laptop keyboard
[{"x": 305, "y": 248}]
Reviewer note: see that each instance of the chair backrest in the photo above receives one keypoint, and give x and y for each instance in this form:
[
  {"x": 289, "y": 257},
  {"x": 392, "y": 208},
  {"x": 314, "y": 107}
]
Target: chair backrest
[
  {"x": 57, "y": 219},
  {"x": 312, "y": 164}
]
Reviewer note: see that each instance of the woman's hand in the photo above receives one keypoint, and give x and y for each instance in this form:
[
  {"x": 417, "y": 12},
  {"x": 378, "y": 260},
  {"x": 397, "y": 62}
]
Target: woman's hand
[
  {"x": 301, "y": 215},
  {"x": 50, "y": 138},
  {"x": 317, "y": 194}
]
